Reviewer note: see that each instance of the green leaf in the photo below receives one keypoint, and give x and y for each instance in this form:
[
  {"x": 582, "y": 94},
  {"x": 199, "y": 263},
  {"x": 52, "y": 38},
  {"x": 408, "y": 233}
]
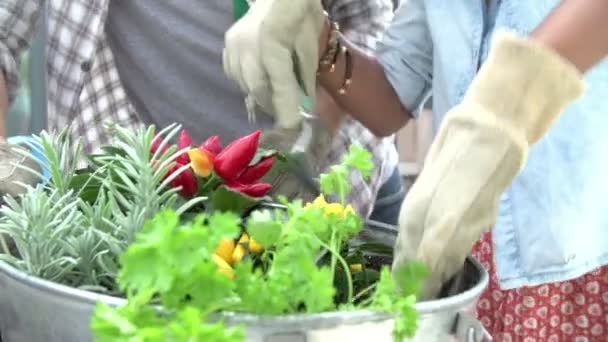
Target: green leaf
[
  {"x": 87, "y": 185},
  {"x": 410, "y": 277},
  {"x": 360, "y": 159},
  {"x": 188, "y": 326},
  {"x": 226, "y": 199},
  {"x": 388, "y": 298},
  {"x": 261, "y": 154},
  {"x": 378, "y": 249},
  {"x": 263, "y": 227},
  {"x": 204, "y": 287},
  {"x": 224, "y": 225},
  {"x": 335, "y": 182},
  {"x": 151, "y": 251}
]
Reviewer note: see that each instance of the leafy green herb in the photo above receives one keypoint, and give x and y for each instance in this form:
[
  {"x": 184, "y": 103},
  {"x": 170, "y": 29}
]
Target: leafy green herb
[
  {"x": 388, "y": 299},
  {"x": 73, "y": 229},
  {"x": 172, "y": 263}
]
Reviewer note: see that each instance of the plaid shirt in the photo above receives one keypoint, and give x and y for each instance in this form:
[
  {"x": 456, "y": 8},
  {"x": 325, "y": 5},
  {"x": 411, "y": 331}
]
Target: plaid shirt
[{"x": 84, "y": 87}]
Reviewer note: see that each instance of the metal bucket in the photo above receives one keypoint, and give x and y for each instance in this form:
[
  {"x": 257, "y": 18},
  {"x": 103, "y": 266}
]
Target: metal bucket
[{"x": 36, "y": 310}]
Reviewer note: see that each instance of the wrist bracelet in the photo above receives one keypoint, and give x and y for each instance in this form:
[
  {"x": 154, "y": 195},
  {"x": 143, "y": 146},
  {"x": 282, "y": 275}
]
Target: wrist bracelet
[
  {"x": 328, "y": 60},
  {"x": 348, "y": 70}
]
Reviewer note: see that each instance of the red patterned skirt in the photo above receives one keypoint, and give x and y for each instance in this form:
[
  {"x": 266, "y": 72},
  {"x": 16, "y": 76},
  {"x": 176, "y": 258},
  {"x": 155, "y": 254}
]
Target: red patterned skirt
[{"x": 569, "y": 311}]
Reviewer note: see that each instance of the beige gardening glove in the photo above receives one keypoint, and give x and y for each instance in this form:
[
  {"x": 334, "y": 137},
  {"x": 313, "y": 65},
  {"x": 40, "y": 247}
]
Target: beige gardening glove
[
  {"x": 270, "y": 49},
  {"x": 272, "y": 52},
  {"x": 481, "y": 146}
]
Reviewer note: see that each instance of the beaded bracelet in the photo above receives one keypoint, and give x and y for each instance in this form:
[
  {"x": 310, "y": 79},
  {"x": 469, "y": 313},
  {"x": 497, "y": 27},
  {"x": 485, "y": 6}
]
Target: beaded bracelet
[
  {"x": 328, "y": 61},
  {"x": 348, "y": 70}
]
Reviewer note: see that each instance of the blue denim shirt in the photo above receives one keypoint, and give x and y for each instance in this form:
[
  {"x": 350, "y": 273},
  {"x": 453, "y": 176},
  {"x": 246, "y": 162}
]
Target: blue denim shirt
[{"x": 553, "y": 223}]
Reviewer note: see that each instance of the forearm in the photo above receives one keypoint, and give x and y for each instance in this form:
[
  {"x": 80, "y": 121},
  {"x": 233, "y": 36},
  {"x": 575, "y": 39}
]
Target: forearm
[
  {"x": 577, "y": 30},
  {"x": 370, "y": 98},
  {"x": 329, "y": 111}
]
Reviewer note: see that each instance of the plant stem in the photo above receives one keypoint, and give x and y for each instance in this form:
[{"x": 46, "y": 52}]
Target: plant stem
[
  {"x": 344, "y": 264},
  {"x": 364, "y": 292}
]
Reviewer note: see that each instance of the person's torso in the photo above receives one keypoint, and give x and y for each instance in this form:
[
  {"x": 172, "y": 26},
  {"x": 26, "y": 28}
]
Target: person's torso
[
  {"x": 552, "y": 224},
  {"x": 169, "y": 57},
  {"x": 85, "y": 89}
]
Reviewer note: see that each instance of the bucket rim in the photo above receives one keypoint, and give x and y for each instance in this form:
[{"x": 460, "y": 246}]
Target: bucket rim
[{"x": 452, "y": 303}]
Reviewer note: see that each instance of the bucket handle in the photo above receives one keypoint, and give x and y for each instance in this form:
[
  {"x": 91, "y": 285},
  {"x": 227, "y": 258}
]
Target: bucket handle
[{"x": 469, "y": 329}]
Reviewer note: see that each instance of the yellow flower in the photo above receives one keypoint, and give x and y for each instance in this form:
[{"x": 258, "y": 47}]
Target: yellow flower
[
  {"x": 224, "y": 249},
  {"x": 254, "y": 246},
  {"x": 238, "y": 254},
  {"x": 201, "y": 162},
  {"x": 334, "y": 209},
  {"x": 320, "y": 202},
  {"x": 331, "y": 208},
  {"x": 356, "y": 268},
  {"x": 224, "y": 267}
]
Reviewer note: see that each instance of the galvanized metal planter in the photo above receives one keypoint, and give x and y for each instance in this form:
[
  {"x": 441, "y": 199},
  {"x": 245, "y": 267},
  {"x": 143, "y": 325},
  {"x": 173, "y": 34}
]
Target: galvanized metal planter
[{"x": 33, "y": 310}]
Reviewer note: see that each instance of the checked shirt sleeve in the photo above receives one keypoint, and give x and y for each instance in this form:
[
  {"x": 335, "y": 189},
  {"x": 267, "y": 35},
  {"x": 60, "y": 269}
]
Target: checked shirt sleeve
[{"x": 18, "y": 20}]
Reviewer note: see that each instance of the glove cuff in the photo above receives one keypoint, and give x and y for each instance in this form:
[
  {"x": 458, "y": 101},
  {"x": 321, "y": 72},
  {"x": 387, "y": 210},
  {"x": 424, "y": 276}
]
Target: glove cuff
[{"x": 525, "y": 84}]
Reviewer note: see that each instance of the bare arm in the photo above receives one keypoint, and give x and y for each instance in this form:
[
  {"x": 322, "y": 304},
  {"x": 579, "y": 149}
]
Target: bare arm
[
  {"x": 369, "y": 94},
  {"x": 363, "y": 23},
  {"x": 329, "y": 111},
  {"x": 577, "y": 30}
]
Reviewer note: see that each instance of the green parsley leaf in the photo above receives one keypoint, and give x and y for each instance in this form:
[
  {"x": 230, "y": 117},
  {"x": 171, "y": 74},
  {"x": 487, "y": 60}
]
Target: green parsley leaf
[
  {"x": 410, "y": 277},
  {"x": 187, "y": 326},
  {"x": 146, "y": 254},
  {"x": 360, "y": 159},
  {"x": 263, "y": 227},
  {"x": 389, "y": 298},
  {"x": 335, "y": 182}
]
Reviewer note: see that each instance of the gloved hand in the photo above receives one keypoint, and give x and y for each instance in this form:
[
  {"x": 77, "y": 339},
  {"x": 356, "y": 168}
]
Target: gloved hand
[
  {"x": 306, "y": 147},
  {"x": 271, "y": 49},
  {"x": 14, "y": 161},
  {"x": 481, "y": 146}
]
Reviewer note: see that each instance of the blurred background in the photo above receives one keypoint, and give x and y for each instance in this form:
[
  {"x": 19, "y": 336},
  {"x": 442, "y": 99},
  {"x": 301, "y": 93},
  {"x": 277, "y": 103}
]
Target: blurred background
[{"x": 28, "y": 113}]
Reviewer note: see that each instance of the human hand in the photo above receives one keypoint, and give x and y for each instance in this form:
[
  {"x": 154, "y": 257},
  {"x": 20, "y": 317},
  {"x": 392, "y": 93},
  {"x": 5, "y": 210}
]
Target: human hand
[
  {"x": 481, "y": 146},
  {"x": 272, "y": 53}
]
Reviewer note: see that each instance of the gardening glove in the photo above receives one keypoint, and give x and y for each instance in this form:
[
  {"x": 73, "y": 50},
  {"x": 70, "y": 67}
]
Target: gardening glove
[
  {"x": 14, "y": 161},
  {"x": 271, "y": 51},
  {"x": 481, "y": 146},
  {"x": 306, "y": 147}
]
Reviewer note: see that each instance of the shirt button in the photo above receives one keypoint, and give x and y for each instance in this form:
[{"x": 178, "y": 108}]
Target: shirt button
[{"x": 85, "y": 66}]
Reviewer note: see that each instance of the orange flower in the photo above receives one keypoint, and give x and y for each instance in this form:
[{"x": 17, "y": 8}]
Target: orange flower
[{"x": 201, "y": 162}]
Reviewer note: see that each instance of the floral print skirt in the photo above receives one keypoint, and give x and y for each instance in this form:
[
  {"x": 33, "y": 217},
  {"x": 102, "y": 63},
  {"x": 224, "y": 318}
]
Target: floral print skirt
[{"x": 569, "y": 311}]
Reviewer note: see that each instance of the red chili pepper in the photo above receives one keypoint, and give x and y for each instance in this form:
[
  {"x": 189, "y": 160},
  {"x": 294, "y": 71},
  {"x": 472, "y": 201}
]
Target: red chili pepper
[
  {"x": 232, "y": 160},
  {"x": 156, "y": 145},
  {"x": 255, "y": 172},
  {"x": 186, "y": 179},
  {"x": 213, "y": 145},
  {"x": 253, "y": 190},
  {"x": 185, "y": 140}
]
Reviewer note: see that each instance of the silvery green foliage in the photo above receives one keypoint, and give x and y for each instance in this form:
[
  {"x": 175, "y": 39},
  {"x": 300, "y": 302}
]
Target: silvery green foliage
[{"x": 57, "y": 233}]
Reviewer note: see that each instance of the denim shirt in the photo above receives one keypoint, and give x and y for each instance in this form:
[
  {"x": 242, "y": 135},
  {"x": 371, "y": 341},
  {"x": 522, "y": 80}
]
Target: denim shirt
[{"x": 553, "y": 225}]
